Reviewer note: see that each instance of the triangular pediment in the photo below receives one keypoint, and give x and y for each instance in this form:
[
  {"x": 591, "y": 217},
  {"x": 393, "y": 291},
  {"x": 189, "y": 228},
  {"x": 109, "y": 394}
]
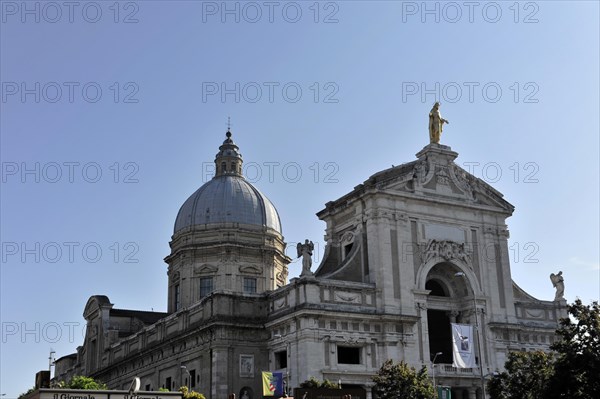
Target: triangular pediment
[
  {"x": 205, "y": 269},
  {"x": 436, "y": 175},
  {"x": 250, "y": 270},
  {"x": 433, "y": 175}
]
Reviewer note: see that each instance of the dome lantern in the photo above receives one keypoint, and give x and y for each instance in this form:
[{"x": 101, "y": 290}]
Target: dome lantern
[{"x": 228, "y": 160}]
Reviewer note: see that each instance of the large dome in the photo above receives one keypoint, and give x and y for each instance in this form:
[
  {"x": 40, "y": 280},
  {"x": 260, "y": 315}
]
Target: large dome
[{"x": 228, "y": 197}]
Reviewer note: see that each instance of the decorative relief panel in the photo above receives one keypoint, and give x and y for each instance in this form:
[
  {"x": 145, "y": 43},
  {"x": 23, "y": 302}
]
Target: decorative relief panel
[
  {"x": 347, "y": 237},
  {"x": 445, "y": 249},
  {"x": 462, "y": 181},
  {"x": 279, "y": 303},
  {"x": 420, "y": 171},
  {"x": 347, "y": 297},
  {"x": 281, "y": 278},
  {"x": 534, "y": 313},
  {"x": 442, "y": 176},
  {"x": 247, "y": 366}
]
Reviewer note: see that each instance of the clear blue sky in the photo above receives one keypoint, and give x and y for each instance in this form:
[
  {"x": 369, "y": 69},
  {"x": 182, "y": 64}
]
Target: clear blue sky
[{"x": 335, "y": 91}]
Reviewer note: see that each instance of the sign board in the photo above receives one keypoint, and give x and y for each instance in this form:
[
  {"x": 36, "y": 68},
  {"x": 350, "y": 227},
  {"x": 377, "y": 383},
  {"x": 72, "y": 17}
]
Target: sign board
[
  {"x": 85, "y": 394},
  {"x": 329, "y": 393}
]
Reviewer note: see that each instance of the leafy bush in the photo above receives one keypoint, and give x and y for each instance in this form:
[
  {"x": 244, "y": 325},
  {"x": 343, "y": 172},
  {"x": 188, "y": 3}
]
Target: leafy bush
[
  {"x": 190, "y": 394},
  {"x": 312, "y": 382}
]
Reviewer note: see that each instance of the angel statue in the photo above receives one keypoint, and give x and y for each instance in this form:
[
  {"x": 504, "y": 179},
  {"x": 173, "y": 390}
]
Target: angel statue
[
  {"x": 305, "y": 251},
  {"x": 436, "y": 124},
  {"x": 558, "y": 282}
]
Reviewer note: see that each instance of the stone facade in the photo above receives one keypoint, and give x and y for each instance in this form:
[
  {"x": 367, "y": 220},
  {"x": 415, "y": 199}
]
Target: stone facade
[{"x": 410, "y": 250}]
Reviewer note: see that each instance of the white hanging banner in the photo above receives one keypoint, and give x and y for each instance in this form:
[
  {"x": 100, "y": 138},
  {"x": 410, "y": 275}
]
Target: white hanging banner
[{"x": 463, "y": 346}]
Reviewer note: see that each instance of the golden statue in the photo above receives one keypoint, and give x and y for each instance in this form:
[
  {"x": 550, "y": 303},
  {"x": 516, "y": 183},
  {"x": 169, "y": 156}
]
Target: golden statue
[{"x": 436, "y": 124}]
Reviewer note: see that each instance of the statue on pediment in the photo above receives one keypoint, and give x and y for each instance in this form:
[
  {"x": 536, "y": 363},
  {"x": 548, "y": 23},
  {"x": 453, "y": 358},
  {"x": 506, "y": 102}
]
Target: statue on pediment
[
  {"x": 305, "y": 251},
  {"x": 436, "y": 124},
  {"x": 558, "y": 282}
]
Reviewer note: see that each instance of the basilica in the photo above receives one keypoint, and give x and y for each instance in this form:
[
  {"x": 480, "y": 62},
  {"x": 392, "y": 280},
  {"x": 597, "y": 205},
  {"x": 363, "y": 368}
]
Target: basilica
[{"x": 409, "y": 251}]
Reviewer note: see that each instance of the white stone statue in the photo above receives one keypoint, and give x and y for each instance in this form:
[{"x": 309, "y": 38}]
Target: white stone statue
[
  {"x": 305, "y": 251},
  {"x": 436, "y": 124},
  {"x": 558, "y": 282}
]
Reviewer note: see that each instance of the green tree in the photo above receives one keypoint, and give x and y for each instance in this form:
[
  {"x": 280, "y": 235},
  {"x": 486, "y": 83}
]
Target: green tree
[
  {"x": 526, "y": 376},
  {"x": 30, "y": 390},
  {"x": 570, "y": 372},
  {"x": 398, "y": 380},
  {"x": 82, "y": 382},
  {"x": 577, "y": 367}
]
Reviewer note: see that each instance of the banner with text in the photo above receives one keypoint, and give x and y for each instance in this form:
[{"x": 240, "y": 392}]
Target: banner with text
[
  {"x": 272, "y": 383},
  {"x": 463, "y": 348}
]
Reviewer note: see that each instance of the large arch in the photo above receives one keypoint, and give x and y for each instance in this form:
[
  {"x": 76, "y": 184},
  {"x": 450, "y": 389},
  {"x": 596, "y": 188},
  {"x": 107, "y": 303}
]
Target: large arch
[
  {"x": 454, "y": 266},
  {"x": 446, "y": 294}
]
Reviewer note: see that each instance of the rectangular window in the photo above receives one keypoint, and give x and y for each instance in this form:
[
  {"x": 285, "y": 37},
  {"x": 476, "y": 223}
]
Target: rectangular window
[
  {"x": 168, "y": 383},
  {"x": 249, "y": 285},
  {"x": 347, "y": 249},
  {"x": 206, "y": 286},
  {"x": 192, "y": 378},
  {"x": 348, "y": 355},
  {"x": 280, "y": 360},
  {"x": 177, "y": 298}
]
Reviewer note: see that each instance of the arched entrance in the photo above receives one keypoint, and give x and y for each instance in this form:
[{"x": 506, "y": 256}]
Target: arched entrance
[
  {"x": 446, "y": 302},
  {"x": 443, "y": 305},
  {"x": 438, "y": 322}
]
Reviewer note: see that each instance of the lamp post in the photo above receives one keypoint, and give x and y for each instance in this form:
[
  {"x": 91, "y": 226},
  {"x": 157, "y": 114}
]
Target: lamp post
[
  {"x": 184, "y": 368},
  {"x": 433, "y": 367},
  {"x": 463, "y": 275}
]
